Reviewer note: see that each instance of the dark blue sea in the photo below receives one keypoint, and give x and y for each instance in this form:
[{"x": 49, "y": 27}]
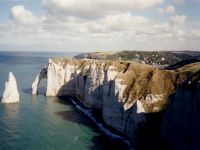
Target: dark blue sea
[{"x": 44, "y": 123}]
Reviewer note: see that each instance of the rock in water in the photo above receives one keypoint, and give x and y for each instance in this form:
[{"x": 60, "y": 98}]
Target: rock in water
[
  {"x": 11, "y": 94},
  {"x": 40, "y": 76}
]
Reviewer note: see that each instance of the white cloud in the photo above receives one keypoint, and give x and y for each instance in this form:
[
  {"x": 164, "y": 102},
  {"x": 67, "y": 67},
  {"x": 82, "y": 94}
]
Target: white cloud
[
  {"x": 178, "y": 19},
  {"x": 91, "y": 9},
  {"x": 170, "y": 9},
  {"x": 23, "y": 16},
  {"x": 124, "y": 22},
  {"x": 95, "y": 24}
]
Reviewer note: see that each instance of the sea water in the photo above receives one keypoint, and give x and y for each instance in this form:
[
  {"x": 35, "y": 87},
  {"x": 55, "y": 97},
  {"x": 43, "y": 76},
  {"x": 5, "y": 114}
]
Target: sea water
[{"x": 44, "y": 123}]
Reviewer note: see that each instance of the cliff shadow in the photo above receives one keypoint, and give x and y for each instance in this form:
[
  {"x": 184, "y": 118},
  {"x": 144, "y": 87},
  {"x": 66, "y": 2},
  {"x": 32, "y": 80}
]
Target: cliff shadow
[
  {"x": 99, "y": 141},
  {"x": 103, "y": 142},
  {"x": 147, "y": 135},
  {"x": 70, "y": 86},
  {"x": 41, "y": 88},
  {"x": 76, "y": 87},
  {"x": 181, "y": 120},
  {"x": 76, "y": 117},
  {"x": 144, "y": 135}
]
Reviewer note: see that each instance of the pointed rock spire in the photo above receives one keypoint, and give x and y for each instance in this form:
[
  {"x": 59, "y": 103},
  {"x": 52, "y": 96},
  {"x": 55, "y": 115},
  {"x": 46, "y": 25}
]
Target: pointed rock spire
[{"x": 11, "y": 94}]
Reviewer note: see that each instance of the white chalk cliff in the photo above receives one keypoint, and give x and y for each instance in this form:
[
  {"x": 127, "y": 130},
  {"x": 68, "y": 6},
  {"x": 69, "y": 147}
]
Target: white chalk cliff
[
  {"x": 11, "y": 94},
  {"x": 39, "y": 77},
  {"x": 124, "y": 92}
]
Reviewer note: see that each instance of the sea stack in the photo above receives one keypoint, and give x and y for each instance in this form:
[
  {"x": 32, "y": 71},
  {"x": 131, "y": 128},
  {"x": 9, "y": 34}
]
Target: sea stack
[{"x": 11, "y": 94}]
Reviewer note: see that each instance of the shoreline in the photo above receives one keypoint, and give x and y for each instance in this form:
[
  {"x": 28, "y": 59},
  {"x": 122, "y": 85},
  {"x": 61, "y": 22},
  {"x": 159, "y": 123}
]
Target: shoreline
[{"x": 99, "y": 123}]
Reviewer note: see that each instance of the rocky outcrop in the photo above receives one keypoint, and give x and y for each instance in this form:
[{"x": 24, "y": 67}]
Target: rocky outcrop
[
  {"x": 125, "y": 92},
  {"x": 40, "y": 76},
  {"x": 11, "y": 94}
]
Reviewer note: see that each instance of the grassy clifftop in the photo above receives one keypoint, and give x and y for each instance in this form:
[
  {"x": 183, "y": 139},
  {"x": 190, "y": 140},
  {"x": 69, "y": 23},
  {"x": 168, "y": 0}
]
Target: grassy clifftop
[
  {"x": 146, "y": 83},
  {"x": 160, "y": 58}
]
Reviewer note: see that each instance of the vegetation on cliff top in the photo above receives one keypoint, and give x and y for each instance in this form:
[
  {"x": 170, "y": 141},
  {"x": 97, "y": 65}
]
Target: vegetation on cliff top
[
  {"x": 159, "y": 58},
  {"x": 143, "y": 80}
]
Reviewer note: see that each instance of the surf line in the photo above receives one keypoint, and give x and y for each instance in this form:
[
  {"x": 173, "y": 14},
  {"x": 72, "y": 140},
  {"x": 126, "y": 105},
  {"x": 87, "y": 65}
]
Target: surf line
[{"x": 102, "y": 128}]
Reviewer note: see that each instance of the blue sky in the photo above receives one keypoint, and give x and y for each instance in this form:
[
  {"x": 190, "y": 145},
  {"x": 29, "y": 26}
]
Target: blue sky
[
  {"x": 99, "y": 25},
  {"x": 5, "y": 6}
]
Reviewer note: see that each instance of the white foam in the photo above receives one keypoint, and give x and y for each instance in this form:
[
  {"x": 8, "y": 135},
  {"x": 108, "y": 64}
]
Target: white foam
[{"x": 103, "y": 129}]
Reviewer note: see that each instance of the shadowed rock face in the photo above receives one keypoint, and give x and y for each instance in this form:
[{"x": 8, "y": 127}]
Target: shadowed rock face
[
  {"x": 126, "y": 93},
  {"x": 11, "y": 94},
  {"x": 40, "y": 76},
  {"x": 181, "y": 119}
]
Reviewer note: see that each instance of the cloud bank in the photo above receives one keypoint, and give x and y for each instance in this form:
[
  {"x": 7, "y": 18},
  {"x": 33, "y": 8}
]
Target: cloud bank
[{"x": 99, "y": 25}]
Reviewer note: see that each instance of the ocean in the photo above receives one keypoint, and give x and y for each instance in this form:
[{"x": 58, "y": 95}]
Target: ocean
[{"x": 45, "y": 123}]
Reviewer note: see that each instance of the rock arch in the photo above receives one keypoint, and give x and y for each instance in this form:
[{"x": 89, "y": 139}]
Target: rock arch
[{"x": 40, "y": 76}]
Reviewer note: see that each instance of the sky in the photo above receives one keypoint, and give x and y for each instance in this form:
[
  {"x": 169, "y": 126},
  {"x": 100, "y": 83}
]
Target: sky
[{"x": 99, "y": 25}]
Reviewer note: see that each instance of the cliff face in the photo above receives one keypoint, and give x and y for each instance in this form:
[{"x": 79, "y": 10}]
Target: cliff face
[
  {"x": 124, "y": 92},
  {"x": 180, "y": 125},
  {"x": 10, "y": 94}
]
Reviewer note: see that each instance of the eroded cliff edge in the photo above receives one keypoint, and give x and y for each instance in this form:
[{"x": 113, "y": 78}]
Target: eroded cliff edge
[{"x": 126, "y": 93}]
